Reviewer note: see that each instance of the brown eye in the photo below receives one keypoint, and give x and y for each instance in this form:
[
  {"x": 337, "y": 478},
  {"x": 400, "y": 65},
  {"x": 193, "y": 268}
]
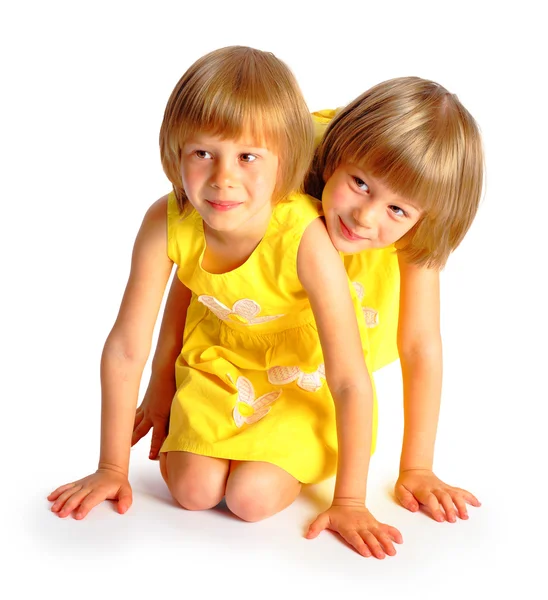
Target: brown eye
[{"x": 248, "y": 158}]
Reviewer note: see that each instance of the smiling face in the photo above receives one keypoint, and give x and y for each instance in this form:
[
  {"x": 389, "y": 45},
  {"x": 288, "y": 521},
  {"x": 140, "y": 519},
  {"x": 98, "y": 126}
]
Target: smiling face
[
  {"x": 229, "y": 182},
  {"x": 362, "y": 213}
]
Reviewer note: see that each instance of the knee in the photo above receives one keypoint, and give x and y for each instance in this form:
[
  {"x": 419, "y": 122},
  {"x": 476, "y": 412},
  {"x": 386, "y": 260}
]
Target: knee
[
  {"x": 252, "y": 501},
  {"x": 194, "y": 494},
  {"x": 193, "y": 488}
]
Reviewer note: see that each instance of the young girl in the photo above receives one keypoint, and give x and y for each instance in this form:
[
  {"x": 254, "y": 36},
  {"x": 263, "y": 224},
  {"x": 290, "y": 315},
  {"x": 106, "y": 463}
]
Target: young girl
[
  {"x": 400, "y": 173},
  {"x": 401, "y": 169},
  {"x": 262, "y": 286}
]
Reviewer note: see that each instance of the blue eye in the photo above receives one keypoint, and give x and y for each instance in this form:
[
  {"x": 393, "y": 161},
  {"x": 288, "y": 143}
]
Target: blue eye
[
  {"x": 361, "y": 184},
  {"x": 399, "y": 212}
]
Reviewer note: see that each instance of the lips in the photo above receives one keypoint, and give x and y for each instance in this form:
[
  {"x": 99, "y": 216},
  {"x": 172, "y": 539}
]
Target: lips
[
  {"x": 223, "y": 204},
  {"x": 349, "y": 234}
]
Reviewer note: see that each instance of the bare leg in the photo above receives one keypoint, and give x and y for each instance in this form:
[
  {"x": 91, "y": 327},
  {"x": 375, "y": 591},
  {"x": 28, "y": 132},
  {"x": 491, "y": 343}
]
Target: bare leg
[
  {"x": 257, "y": 490},
  {"x": 196, "y": 482}
]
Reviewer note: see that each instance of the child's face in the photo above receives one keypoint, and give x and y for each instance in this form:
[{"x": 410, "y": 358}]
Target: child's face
[
  {"x": 229, "y": 182},
  {"x": 361, "y": 213}
]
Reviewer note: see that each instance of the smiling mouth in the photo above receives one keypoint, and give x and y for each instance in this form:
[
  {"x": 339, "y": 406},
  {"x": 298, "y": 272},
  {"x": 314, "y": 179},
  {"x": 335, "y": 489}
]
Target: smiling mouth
[
  {"x": 223, "y": 205},
  {"x": 348, "y": 234}
]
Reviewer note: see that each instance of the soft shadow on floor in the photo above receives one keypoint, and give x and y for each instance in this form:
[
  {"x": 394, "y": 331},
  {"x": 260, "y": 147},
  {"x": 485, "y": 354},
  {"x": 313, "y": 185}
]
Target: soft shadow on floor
[{"x": 318, "y": 495}]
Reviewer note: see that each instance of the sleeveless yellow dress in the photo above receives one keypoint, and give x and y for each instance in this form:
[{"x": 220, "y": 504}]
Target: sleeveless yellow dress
[{"x": 250, "y": 377}]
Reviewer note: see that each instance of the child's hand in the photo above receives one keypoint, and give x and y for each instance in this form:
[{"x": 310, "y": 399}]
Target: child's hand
[
  {"x": 357, "y": 526},
  {"x": 82, "y": 495},
  {"x": 154, "y": 413},
  {"x": 421, "y": 486}
]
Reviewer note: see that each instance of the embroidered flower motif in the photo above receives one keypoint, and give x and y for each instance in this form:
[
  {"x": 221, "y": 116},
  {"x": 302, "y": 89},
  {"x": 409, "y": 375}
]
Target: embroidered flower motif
[
  {"x": 311, "y": 382},
  {"x": 244, "y": 311},
  {"x": 253, "y": 409},
  {"x": 370, "y": 314}
]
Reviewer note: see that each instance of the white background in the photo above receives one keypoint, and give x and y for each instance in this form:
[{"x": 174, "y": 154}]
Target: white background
[{"x": 83, "y": 89}]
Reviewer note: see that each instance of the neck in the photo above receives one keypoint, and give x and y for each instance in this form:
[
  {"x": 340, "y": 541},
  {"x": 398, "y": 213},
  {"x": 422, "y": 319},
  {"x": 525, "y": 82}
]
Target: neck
[{"x": 251, "y": 231}]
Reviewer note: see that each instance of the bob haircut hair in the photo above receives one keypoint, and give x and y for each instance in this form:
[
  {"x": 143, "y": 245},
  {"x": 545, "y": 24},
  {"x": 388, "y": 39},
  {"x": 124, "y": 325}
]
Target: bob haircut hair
[
  {"x": 421, "y": 142},
  {"x": 236, "y": 91}
]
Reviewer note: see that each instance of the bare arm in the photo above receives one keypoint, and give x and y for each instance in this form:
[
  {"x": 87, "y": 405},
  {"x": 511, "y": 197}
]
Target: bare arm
[
  {"x": 420, "y": 349},
  {"x": 155, "y": 407},
  {"x": 128, "y": 344},
  {"x": 322, "y": 274},
  {"x": 124, "y": 356},
  {"x": 170, "y": 338}
]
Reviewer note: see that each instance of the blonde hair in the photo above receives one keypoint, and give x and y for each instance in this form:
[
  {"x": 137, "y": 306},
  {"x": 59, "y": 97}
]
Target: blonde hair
[
  {"x": 234, "y": 91},
  {"x": 421, "y": 142}
]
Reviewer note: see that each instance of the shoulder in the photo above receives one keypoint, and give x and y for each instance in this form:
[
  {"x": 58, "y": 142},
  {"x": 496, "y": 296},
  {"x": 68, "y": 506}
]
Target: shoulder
[
  {"x": 158, "y": 210},
  {"x": 153, "y": 227},
  {"x": 155, "y": 219},
  {"x": 317, "y": 258}
]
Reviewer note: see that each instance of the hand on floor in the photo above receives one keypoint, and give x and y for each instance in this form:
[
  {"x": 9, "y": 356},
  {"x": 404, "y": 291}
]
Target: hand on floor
[{"x": 420, "y": 486}]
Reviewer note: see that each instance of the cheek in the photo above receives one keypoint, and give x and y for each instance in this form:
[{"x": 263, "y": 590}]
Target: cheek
[
  {"x": 398, "y": 231},
  {"x": 264, "y": 182},
  {"x": 189, "y": 178},
  {"x": 338, "y": 199}
]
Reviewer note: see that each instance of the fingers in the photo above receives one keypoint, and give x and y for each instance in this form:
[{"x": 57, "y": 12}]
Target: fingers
[
  {"x": 394, "y": 534},
  {"x": 56, "y": 493},
  {"x": 140, "y": 430},
  {"x": 359, "y": 529},
  {"x": 433, "y": 505},
  {"x": 460, "y": 503},
  {"x": 452, "y": 500},
  {"x": 139, "y": 414},
  {"x": 69, "y": 501},
  {"x": 369, "y": 543},
  {"x": 125, "y": 499},
  {"x": 317, "y": 526},
  {"x": 468, "y": 497},
  {"x": 459, "y": 498},
  {"x": 158, "y": 437},
  {"x": 357, "y": 541},
  {"x": 374, "y": 545},
  {"x": 91, "y": 500},
  {"x": 445, "y": 499},
  {"x": 406, "y": 498}
]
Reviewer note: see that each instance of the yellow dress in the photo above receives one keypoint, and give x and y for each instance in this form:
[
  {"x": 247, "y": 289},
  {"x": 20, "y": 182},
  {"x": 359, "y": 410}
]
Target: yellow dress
[{"x": 250, "y": 377}]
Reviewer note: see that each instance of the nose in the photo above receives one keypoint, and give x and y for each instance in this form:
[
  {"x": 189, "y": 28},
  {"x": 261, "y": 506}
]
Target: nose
[
  {"x": 223, "y": 175},
  {"x": 365, "y": 215}
]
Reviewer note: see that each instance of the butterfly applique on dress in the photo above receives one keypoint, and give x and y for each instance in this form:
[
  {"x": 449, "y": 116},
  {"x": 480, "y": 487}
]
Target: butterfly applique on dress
[
  {"x": 370, "y": 314},
  {"x": 311, "y": 382},
  {"x": 249, "y": 409},
  {"x": 243, "y": 311}
]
